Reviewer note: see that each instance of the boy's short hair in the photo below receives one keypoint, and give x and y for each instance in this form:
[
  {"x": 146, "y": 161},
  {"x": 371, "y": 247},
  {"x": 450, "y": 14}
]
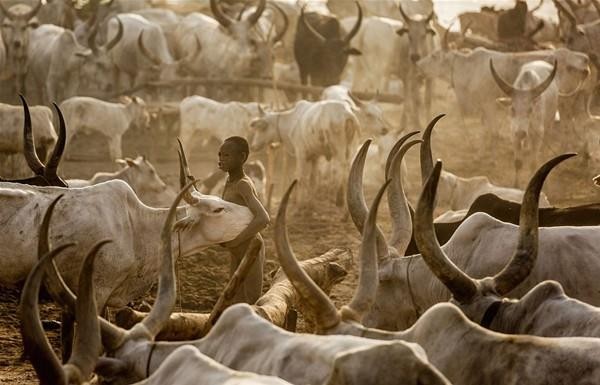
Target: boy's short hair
[{"x": 240, "y": 143}]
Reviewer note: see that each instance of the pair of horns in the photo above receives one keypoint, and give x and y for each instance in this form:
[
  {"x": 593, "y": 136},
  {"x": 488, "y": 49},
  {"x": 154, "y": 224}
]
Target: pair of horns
[
  {"x": 227, "y": 21},
  {"x": 322, "y": 38}
]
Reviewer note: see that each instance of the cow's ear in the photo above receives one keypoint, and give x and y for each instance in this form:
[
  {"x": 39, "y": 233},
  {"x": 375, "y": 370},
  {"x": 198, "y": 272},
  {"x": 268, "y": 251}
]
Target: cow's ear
[
  {"x": 504, "y": 101},
  {"x": 401, "y": 31},
  {"x": 83, "y": 53},
  {"x": 121, "y": 162},
  {"x": 33, "y": 23},
  {"x": 353, "y": 51},
  {"x": 130, "y": 162},
  {"x": 580, "y": 31}
]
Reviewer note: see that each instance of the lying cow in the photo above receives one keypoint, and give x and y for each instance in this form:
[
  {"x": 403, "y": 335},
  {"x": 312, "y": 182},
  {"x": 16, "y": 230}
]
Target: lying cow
[
  {"x": 210, "y": 119},
  {"x": 310, "y": 130},
  {"x": 111, "y": 120},
  {"x": 140, "y": 174}
]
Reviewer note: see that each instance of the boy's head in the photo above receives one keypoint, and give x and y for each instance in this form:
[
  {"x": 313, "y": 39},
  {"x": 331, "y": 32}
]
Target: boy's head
[{"x": 233, "y": 153}]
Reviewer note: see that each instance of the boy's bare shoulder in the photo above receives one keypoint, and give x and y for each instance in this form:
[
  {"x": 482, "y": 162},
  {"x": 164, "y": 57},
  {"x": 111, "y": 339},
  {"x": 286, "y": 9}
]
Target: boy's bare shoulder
[{"x": 246, "y": 185}]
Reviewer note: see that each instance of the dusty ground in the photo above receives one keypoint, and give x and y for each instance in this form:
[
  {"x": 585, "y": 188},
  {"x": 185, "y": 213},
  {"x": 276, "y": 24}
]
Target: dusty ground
[{"x": 203, "y": 276}]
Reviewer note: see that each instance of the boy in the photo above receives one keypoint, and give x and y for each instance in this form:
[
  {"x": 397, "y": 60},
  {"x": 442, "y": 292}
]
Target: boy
[{"x": 239, "y": 189}]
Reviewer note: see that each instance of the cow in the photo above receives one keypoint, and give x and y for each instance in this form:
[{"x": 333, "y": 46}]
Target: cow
[
  {"x": 209, "y": 119},
  {"x": 17, "y": 24},
  {"x": 230, "y": 48},
  {"x": 140, "y": 174},
  {"x": 583, "y": 11},
  {"x": 243, "y": 340},
  {"x": 532, "y": 101},
  {"x": 111, "y": 120},
  {"x": 486, "y": 357},
  {"x": 321, "y": 49},
  {"x": 482, "y": 299},
  {"x": 310, "y": 130},
  {"x": 44, "y": 174},
  {"x": 369, "y": 114},
  {"x": 138, "y": 61},
  {"x": 578, "y": 35},
  {"x": 400, "y": 301},
  {"x": 61, "y": 68},
  {"x": 573, "y": 70}
]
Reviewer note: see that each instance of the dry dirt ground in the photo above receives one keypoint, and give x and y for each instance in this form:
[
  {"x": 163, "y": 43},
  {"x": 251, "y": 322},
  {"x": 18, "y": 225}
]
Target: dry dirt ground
[{"x": 312, "y": 232}]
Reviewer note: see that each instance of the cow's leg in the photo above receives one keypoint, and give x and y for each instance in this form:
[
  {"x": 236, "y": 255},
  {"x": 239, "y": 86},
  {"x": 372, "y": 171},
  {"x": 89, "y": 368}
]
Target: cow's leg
[
  {"x": 405, "y": 107},
  {"x": 114, "y": 147}
]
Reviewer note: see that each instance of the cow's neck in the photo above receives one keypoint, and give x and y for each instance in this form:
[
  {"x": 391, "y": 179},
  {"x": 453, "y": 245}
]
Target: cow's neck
[
  {"x": 148, "y": 225},
  {"x": 284, "y": 121}
]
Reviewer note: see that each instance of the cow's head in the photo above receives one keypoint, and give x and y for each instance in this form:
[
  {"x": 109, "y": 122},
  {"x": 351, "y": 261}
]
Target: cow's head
[
  {"x": 573, "y": 34},
  {"x": 417, "y": 29},
  {"x": 523, "y": 103},
  {"x": 475, "y": 296},
  {"x": 159, "y": 69},
  {"x": 375, "y": 120},
  {"x": 264, "y": 130},
  {"x": 137, "y": 108},
  {"x": 145, "y": 181},
  {"x": 18, "y": 20},
  {"x": 253, "y": 57},
  {"x": 333, "y": 49}
]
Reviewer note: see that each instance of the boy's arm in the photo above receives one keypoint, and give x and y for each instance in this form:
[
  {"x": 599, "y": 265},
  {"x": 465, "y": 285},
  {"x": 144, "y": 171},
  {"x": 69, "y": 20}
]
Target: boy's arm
[{"x": 260, "y": 220}]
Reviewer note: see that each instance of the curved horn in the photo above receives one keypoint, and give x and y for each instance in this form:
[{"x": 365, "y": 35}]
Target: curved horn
[
  {"x": 426, "y": 156},
  {"x": 508, "y": 89},
  {"x": 91, "y": 40},
  {"x": 355, "y": 199},
  {"x": 7, "y": 12},
  {"x": 222, "y": 18},
  {"x": 167, "y": 292},
  {"x": 534, "y": 9},
  {"x": 184, "y": 174},
  {"x": 315, "y": 33},
  {"x": 241, "y": 13},
  {"x": 525, "y": 255},
  {"x": 368, "y": 278},
  {"x": 462, "y": 287},
  {"x": 29, "y": 15},
  {"x": 286, "y": 23},
  {"x": 59, "y": 148},
  {"x": 540, "y": 88},
  {"x": 87, "y": 346},
  {"x": 407, "y": 19},
  {"x": 398, "y": 203},
  {"x": 589, "y": 108},
  {"x": 356, "y": 26},
  {"x": 579, "y": 86},
  {"x": 31, "y": 156},
  {"x": 145, "y": 52},
  {"x": 445, "y": 40},
  {"x": 567, "y": 12},
  {"x": 260, "y": 8},
  {"x": 597, "y": 6},
  {"x": 325, "y": 312},
  {"x": 394, "y": 150},
  {"x": 117, "y": 37},
  {"x": 36, "y": 344}
]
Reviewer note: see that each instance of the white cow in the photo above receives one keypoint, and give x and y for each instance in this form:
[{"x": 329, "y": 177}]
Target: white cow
[
  {"x": 141, "y": 175},
  {"x": 111, "y": 120},
  {"x": 311, "y": 130},
  {"x": 210, "y": 119},
  {"x": 533, "y": 103}
]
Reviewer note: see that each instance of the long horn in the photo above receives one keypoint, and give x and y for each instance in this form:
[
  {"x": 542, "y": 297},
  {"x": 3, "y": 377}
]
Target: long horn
[
  {"x": 445, "y": 40},
  {"x": 597, "y": 6},
  {"x": 325, "y": 312},
  {"x": 567, "y": 12},
  {"x": 355, "y": 199},
  {"x": 29, "y": 15},
  {"x": 534, "y": 9},
  {"x": 589, "y": 108},
  {"x": 91, "y": 40},
  {"x": 36, "y": 344},
  {"x": 426, "y": 155},
  {"x": 184, "y": 174},
  {"x": 540, "y": 88},
  {"x": 398, "y": 204},
  {"x": 167, "y": 292},
  {"x": 59, "y": 148},
  {"x": 218, "y": 14},
  {"x": 394, "y": 150},
  {"x": 508, "y": 89},
  {"x": 7, "y": 12},
  {"x": 31, "y": 156},
  {"x": 406, "y": 18},
  {"x": 356, "y": 26},
  {"x": 525, "y": 255},
  {"x": 117, "y": 37},
  {"x": 462, "y": 287},
  {"x": 368, "y": 277},
  {"x": 144, "y": 50},
  {"x": 286, "y": 23},
  {"x": 260, "y": 8},
  {"x": 315, "y": 33},
  {"x": 87, "y": 346}
]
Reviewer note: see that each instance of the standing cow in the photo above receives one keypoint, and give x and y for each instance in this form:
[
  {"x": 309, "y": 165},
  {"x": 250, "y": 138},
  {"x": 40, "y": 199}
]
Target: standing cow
[
  {"x": 111, "y": 120},
  {"x": 533, "y": 103},
  {"x": 321, "y": 49},
  {"x": 310, "y": 130}
]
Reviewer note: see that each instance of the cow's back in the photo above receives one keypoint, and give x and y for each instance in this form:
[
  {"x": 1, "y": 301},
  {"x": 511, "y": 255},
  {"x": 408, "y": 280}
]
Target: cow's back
[{"x": 11, "y": 131}]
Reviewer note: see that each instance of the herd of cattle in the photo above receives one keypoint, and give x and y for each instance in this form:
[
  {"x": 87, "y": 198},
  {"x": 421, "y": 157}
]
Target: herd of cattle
[{"x": 500, "y": 289}]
